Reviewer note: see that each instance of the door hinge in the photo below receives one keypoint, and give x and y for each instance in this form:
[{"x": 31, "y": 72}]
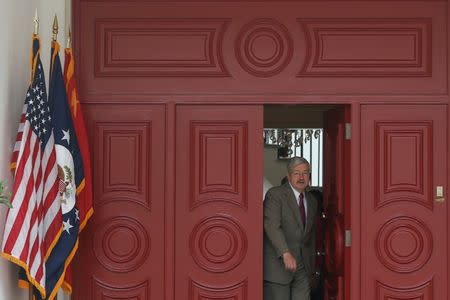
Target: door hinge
[
  {"x": 348, "y": 131},
  {"x": 348, "y": 238}
]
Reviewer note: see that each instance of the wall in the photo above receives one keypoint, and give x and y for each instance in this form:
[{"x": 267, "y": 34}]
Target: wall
[
  {"x": 295, "y": 116},
  {"x": 16, "y": 28},
  {"x": 274, "y": 168}
]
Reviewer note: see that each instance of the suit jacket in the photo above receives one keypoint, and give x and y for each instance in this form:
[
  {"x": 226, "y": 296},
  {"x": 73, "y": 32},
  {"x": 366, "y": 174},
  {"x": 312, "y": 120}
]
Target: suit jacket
[{"x": 284, "y": 231}]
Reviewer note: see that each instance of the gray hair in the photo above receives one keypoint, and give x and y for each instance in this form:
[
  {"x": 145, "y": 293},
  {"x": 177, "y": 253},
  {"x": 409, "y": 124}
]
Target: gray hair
[{"x": 295, "y": 161}]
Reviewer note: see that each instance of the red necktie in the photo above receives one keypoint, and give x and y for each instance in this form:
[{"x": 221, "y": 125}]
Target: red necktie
[{"x": 301, "y": 206}]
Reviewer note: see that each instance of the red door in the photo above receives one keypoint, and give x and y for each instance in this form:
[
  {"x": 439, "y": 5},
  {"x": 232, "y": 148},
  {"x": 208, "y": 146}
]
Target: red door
[
  {"x": 218, "y": 202},
  {"x": 336, "y": 200},
  {"x": 404, "y": 226},
  {"x": 121, "y": 253}
]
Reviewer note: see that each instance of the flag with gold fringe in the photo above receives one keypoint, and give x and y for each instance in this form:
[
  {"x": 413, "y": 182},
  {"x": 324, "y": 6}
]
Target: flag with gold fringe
[
  {"x": 84, "y": 191},
  {"x": 33, "y": 225}
]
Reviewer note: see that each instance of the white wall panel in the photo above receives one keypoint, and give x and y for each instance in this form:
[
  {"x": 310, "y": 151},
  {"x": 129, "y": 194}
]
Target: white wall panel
[{"x": 16, "y": 28}]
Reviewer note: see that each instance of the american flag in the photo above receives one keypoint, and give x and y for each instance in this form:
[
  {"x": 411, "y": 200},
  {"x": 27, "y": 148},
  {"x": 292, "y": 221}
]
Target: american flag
[{"x": 34, "y": 224}]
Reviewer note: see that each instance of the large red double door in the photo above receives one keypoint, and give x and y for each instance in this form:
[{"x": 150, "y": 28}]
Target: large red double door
[
  {"x": 180, "y": 216},
  {"x": 176, "y": 216}
]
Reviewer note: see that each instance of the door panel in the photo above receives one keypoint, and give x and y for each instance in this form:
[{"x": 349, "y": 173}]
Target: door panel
[
  {"x": 218, "y": 206},
  {"x": 121, "y": 254},
  {"x": 336, "y": 200},
  {"x": 261, "y": 48},
  {"x": 403, "y": 231}
]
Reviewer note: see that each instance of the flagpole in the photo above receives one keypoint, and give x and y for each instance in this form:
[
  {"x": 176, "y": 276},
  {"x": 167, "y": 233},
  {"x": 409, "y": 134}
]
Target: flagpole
[
  {"x": 35, "y": 32},
  {"x": 55, "y": 28},
  {"x": 36, "y": 23},
  {"x": 69, "y": 39},
  {"x": 55, "y": 36}
]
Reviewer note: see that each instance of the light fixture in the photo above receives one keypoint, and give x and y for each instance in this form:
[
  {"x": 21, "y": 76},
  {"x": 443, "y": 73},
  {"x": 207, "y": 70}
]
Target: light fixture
[{"x": 290, "y": 141}]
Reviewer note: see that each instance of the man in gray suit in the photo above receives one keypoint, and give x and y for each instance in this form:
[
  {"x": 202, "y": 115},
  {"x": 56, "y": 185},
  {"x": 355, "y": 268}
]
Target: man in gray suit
[{"x": 289, "y": 235}]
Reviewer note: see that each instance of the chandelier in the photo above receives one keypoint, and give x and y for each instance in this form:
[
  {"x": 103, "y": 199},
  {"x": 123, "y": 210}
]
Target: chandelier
[{"x": 291, "y": 141}]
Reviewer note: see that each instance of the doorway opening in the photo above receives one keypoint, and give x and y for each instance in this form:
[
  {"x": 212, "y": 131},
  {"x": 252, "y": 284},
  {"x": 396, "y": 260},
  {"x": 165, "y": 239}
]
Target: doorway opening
[{"x": 322, "y": 135}]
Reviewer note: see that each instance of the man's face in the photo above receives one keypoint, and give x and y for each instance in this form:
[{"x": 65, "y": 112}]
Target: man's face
[{"x": 299, "y": 178}]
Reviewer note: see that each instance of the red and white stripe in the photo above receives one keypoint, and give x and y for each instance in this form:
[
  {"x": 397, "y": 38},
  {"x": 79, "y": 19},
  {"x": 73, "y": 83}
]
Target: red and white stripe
[
  {"x": 18, "y": 143},
  {"x": 35, "y": 220}
]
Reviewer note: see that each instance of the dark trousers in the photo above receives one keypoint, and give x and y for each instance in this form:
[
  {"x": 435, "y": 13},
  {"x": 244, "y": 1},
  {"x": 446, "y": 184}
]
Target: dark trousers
[{"x": 317, "y": 291}]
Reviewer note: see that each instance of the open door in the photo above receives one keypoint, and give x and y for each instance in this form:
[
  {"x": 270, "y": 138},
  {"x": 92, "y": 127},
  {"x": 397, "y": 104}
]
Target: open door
[{"x": 336, "y": 201}]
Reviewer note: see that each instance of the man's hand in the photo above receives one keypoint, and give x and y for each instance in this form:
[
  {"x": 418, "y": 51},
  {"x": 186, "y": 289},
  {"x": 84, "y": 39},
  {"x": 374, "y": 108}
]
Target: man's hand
[{"x": 290, "y": 264}]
